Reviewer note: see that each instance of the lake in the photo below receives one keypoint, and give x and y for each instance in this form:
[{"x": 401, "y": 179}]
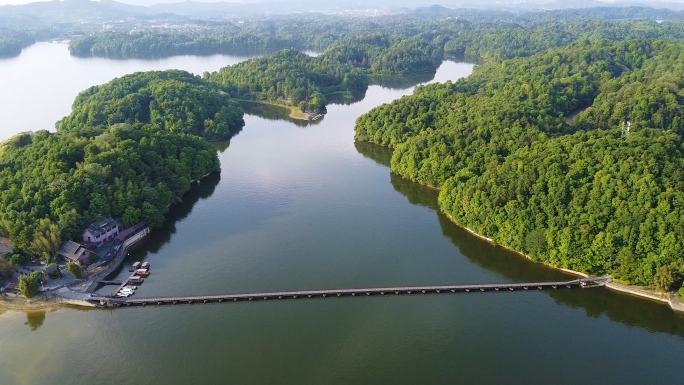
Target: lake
[{"x": 300, "y": 207}]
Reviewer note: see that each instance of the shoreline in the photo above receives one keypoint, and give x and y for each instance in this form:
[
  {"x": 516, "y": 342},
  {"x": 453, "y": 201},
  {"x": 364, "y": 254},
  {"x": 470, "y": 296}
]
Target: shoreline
[
  {"x": 294, "y": 112},
  {"x": 42, "y": 303},
  {"x": 637, "y": 291},
  {"x": 51, "y": 301}
]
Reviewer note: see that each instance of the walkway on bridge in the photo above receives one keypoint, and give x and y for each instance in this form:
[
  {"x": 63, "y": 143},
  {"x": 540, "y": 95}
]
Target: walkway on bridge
[{"x": 333, "y": 293}]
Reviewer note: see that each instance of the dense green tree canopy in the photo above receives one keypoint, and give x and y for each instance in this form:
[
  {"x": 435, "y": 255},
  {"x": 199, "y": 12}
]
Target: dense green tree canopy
[
  {"x": 512, "y": 168},
  {"x": 61, "y": 182},
  {"x": 290, "y": 78},
  {"x": 172, "y": 101},
  {"x": 12, "y": 42}
]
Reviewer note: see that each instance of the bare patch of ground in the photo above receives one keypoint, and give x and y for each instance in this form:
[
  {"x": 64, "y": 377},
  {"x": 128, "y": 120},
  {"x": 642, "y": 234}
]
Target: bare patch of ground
[{"x": 5, "y": 245}]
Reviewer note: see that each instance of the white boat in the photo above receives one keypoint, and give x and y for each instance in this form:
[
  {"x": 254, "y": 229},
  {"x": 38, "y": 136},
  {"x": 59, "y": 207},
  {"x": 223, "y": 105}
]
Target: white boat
[
  {"x": 131, "y": 287},
  {"x": 123, "y": 294}
]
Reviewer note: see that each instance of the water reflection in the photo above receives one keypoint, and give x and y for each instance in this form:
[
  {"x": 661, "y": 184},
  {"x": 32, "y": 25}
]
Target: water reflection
[
  {"x": 221, "y": 146},
  {"x": 380, "y": 154},
  {"x": 35, "y": 319},
  {"x": 401, "y": 82},
  {"x": 198, "y": 191},
  {"x": 511, "y": 266},
  {"x": 272, "y": 112},
  {"x": 237, "y": 52},
  {"x": 345, "y": 98}
]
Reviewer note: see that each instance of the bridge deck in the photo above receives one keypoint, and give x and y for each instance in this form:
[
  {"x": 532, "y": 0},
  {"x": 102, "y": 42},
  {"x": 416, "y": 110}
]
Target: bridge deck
[{"x": 109, "y": 301}]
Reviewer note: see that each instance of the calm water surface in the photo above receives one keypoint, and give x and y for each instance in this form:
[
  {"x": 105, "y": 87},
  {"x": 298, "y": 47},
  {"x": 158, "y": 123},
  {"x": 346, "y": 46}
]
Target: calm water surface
[{"x": 304, "y": 207}]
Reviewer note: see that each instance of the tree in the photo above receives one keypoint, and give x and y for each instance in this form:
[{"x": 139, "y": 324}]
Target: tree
[
  {"x": 131, "y": 216},
  {"x": 57, "y": 273},
  {"x": 47, "y": 238},
  {"x": 152, "y": 216},
  {"x": 6, "y": 267},
  {"x": 28, "y": 286},
  {"x": 664, "y": 278},
  {"x": 75, "y": 269}
]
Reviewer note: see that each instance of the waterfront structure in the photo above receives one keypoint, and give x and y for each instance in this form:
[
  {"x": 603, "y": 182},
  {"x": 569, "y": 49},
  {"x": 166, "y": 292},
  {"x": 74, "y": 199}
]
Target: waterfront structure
[
  {"x": 102, "y": 231},
  {"x": 74, "y": 252}
]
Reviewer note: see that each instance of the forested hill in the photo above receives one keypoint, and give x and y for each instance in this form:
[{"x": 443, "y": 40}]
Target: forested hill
[
  {"x": 172, "y": 101},
  {"x": 12, "y": 42},
  {"x": 53, "y": 185},
  {"x": 583, "y": 197},
  {"x": 129, "y": 149},
  {"x": 296, "y": 79},
  {"x": 290, "y": 78},
  {"x": 489, "y": 36}
]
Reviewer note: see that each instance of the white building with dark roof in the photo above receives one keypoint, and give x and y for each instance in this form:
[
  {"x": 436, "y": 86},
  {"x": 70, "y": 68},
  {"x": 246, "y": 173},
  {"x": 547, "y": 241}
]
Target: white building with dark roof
[{"x": 102, "y": 231}]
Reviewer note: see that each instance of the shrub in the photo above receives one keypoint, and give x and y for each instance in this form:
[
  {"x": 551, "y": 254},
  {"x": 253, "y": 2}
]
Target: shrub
[
  {"x": 28, "y": 286},
  {"x": 75, "y": 269}
]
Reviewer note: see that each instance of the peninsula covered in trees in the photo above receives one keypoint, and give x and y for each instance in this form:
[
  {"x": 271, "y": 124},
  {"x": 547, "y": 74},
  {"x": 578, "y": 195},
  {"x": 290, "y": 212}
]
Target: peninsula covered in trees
[
  {"x": 129, "y": 149},
  {"x": 587, "y": 196},
  {"x": 12, "y": 42}
]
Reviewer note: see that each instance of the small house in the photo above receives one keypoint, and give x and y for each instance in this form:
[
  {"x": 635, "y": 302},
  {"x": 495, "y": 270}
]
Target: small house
[{"x": 74, "y": 252}]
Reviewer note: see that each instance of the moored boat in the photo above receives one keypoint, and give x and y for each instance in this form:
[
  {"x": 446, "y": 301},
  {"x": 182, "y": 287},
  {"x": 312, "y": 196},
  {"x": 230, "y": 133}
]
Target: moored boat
[{"x": 135, "y": 279}]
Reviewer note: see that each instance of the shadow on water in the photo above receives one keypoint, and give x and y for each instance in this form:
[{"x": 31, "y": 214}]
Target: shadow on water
[
  {"x": 198, "y": 191},
  {"x": 380, "y": 154},
  {"x": 221, "y": 146},
  {"x": 618, "y": 307},
  {"x": 271, "y": 112}
]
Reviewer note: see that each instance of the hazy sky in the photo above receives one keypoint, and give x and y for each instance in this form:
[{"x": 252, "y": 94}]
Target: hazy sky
[
  {"x": 136, "y": 2},
  {"x": 427, "y": 2}
]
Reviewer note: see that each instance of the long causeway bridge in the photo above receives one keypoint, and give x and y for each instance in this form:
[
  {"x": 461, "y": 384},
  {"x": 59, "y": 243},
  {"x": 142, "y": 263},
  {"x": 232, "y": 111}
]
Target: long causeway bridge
[{"x": 335, "y": 293}]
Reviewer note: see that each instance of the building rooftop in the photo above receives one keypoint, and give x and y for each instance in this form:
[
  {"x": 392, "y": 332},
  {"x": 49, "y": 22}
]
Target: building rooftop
[
  {"x": 100, "y": 228},
  {"x": 71, "y": 251}
]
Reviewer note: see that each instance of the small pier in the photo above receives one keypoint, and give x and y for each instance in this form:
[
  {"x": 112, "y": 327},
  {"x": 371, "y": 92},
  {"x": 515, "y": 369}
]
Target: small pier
[
  {"x": 336, "y": 293},
  {"x": 109, "y": 283}
]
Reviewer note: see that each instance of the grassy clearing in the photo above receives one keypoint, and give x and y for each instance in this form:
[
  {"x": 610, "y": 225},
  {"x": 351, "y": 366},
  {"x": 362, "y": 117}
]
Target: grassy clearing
[{"x": 295, "y": 113}]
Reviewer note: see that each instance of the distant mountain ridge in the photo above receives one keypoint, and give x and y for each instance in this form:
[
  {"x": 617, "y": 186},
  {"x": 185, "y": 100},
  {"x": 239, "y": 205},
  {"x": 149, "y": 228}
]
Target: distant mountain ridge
[{"x": 78, "y": 10}]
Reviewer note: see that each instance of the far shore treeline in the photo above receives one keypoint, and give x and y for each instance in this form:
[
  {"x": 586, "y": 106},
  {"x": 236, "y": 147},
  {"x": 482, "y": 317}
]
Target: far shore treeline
[{"x": 527, "y": 151}]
